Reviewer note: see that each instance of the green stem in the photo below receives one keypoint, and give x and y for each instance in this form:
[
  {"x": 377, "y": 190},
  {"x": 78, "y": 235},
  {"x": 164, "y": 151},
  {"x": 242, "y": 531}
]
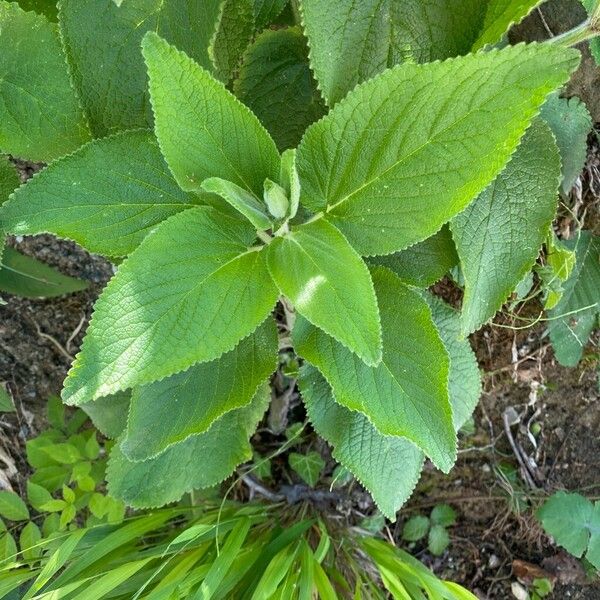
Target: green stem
[{"x": 588, "y": 30}]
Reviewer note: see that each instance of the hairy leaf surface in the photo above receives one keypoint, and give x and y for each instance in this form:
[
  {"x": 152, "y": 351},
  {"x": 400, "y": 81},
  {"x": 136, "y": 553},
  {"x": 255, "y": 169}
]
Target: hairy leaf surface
[
  {"x": 106, "y": 196},
  {"x": 499, "y": 235},
  {"x": 171, "y": 410},
  {"x": 464, "y": 380},
  {"x": 200, "y": 461},
  {"x": 109, "y": 413},
  {"x": 389, "y": 172},
  {"x": 389, "y": 467},
  {"x": 424, "y": 263},
  {"x": 203, "y": 130},
  {"x": 9, "y": 181},
  {"x": 571, "y": 124},
  {"x": 329, "y": 284},
  {"x": 575, "y": 316},
  {"x": 187, "y": 294},
  {"x": 266, "y": 11},
  {"x": 103, "y": 49},
  {"x": 40, "y": 116},
  {"x": 276, "y": 82},
  {"x": 235, "y": 27},
  {"x": 407, "y": 393}
]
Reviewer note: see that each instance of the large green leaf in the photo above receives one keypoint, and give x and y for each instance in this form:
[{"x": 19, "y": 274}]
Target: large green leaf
[
  {"x": 40, "y": 116},
  {"x": 424, "y": 263},
  {"x": 276, "y": 82},
  {"x": 203, "y": 130},
  {"x": 265, "y": 11},
  {"x": 389, "y": 467},
  {"x": 9, "y": 181},
  {"x": 187, "y": 294},
  {"x": 25, "y": 276},
  {"x": 103, "y": 49},
  {"x": 47, "y": 8},
  {"x": 353, "y": 41},
  {"x": 500, "y": 15},
  {"x": 235, "y": 27},
  {"x": 573, "y": 319},
  {"x": 106, "y": 196},
  {"x": 464, "y": 380},
  {"x": 407, "y": 394},
  {"x": 499, "y": 235},
  {"x": 200, "y": 461},
  {"x": 329, "y": 284},
  {"x": 389, "y": 174},
  {"x": 169, "y": 411},
  {"x": 595, "y": 42},
  {"x": 571, "y": 123}
]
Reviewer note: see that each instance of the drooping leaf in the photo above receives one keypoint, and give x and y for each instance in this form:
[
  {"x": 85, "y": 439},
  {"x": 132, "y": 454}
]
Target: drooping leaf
[
  {"x": 424, "y": 263},
  {"x": 169, "y": 411},
  {"x": 389, "y": 175},
  {"x": 571, "y": 124},
  {"x": 211, "y": 457},
  {"x": 276, "y": 82},
  {"x": 187, "y": 294},
  {"x": 40, "y": 116},
  {"x": 389, "y": 467},
  {"x": 464, "y": 379},
  {"x": 499, "y": 235},
  {"x": 573, "y": 319},
  {"x": 329, "y": 284},
  {"x": 500, "y": 16},
  {"x": 203, "y": 130},
  {"x": 106, "y": 196},
  {"x": 242, "y": 200},
  {"x": 234, "y": 30},
  {"x": 574, "y": 522},
  {"x": 103, "y": 50},
  {"x": 12, "y": 507},
  {"x": 407, "y": 393},
  {"x": 26, "y": 276},
  {"x": 109, "y": 413}
]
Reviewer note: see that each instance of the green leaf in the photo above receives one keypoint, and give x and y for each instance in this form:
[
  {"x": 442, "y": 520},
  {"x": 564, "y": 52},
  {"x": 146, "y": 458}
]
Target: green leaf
[
  {"x": 438, "y": 540},
  {"x": 51, "y": 477},
  {"x": 203, "y": 130},
  {"x": 266, "y": 11},
  {"x": 308, "y": 466},
  {"x": 42, "y": 7},
  {"x": 9, "y": 180},
  {"x": 8, "y": 547},
  {"x": 107, "y": 196},
  {"x": 288, "y": 178},
  {"x": 63, "y": 453},
  {"x": 368, "y": 164},
  {"x": 595, "y": 42},
  {"x": 55, "y": 411},
  {"x": 29, "y": 538},
  {"x": 166, "y": 478},
  {"x": 407, "y": 393},
  {"x": 103, "y": 40},
  {"x": 28, "y": 277},
  {"x": 109, "y": 413},
  {"x": 39, "y": 112},
  {"x": 38, "y": 496},
  {"x": 499, "y": 235},
  {"x": 12, "y": 507},
  {"x": 424, "y": 263},
  {"x": 389, "y": 467},
  {"x": 169, "y": 411},
  {"x": 575, "y": 316},
  {"x": 243, "y": 201},
  {"x": 415, "y": 528},
  {"x": 235, "y": 27},
  {"x": 500, "y": 16},
  {"x": 276, "y": 82},
  {"x": 443, "y": 514},
  {"x": 187, "y": 294},
  {"x": 571, "y": 123},
  {"x": 574, "y": 523},
  {"x": 6, "y": 401},
  {"x": 276, "y": 199},
  {"x": 464, "y": 380},
  {"x": 329, "y": 284}
]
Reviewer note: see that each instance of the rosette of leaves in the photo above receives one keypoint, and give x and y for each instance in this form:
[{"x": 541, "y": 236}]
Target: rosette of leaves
[{"x": 216, "y": 225}]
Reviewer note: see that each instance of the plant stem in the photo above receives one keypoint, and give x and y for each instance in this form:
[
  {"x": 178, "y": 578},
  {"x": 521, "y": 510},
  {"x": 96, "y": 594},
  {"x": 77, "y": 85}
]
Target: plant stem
[
  {"x": 264, "y": 236},
  {"x": 588, "y": 30}
]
